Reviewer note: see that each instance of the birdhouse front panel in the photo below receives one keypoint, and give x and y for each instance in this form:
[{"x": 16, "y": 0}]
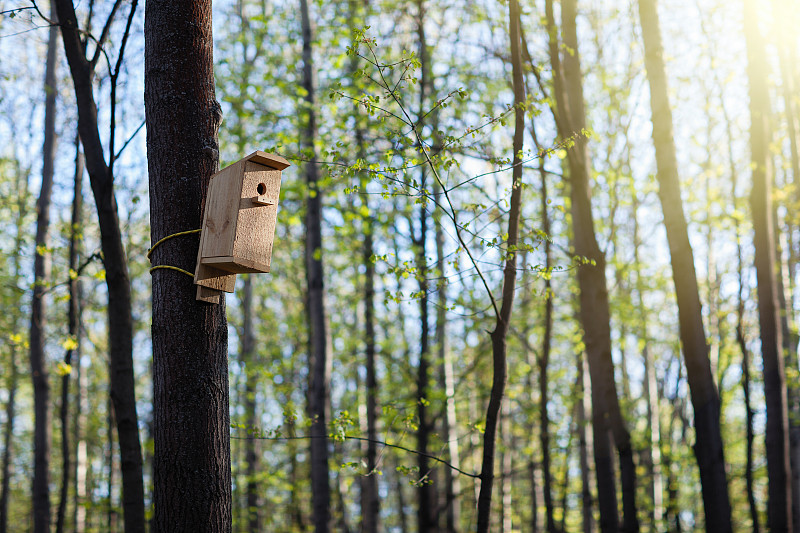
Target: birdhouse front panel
[
  {"x": 258, "y": 214},
  {"x": 239, "y": 221}
]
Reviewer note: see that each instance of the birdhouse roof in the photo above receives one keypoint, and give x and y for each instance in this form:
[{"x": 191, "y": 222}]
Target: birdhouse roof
[{"x": 270, "y": 160}]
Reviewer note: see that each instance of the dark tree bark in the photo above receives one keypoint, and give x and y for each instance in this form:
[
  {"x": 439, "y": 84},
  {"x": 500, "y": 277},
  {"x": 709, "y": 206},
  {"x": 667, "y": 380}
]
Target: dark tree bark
[
  {"x": 608, "y": 424},
  {"x": 41, "y": 274},
  {"x": 705, "y": 399},
  {"x": 73, "y": 331},
  {"x": 191, "y": 424},
  {"x": 779, "y": 505},
  {"x": 319, "y": 341},
  {"x": 503, "y": 316},
  {"x": 120, "y": 321}
]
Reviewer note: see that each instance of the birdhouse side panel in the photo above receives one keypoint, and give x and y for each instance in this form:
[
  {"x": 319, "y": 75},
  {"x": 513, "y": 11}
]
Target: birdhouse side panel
[
  {"x": 258, "y": 215},
  {"x": 220, "y": 217}
]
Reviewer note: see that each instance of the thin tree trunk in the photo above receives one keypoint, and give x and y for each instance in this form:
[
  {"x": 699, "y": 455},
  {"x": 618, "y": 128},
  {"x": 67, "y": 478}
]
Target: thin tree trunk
[
  {"x": 191, "y": 422},
  {"x": 8, "y": 431},
  {"x": 450, "y": 429},
  {"x": 370, "y": 497},
  {"x": 779, "y": 505},
  {"x": 544, "y": 358},
  {"x": 607, "y": 421},
  {"x": 41, "y": 276},
  {"x": 503, "y": 317},
  {"x": 427, "y": 520},
  {"x": 13, "y": 372},
  {"x": 111, "y": 511},
  {"x": 120, "y": 321},
  {"x": 319, "y": 358},
  {"x": 705, "y": 399},
  {"x": 507, "y": 463},
  {"x": 251, "y": 376},
  {"x": 534, "y": 505},
  {"x": 401, "y": 504},
  {"x": 73, "y": 331},
  {"x": 81, "y": 452},
  {"x": 585, "y": 444},
  {"x": 650, "y": 384}
]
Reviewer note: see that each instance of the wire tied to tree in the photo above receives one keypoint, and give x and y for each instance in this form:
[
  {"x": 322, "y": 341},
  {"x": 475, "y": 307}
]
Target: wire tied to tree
[{"x": 168, "y": 237}]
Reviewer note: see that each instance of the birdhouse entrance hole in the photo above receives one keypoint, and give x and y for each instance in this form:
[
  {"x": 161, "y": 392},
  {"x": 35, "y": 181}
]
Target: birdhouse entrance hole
[{"x": 238, "y": 226}]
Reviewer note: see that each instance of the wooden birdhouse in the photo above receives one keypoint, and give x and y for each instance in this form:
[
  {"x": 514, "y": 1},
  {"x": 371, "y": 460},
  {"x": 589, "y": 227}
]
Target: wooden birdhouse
[{"x": 239, "y": 220}]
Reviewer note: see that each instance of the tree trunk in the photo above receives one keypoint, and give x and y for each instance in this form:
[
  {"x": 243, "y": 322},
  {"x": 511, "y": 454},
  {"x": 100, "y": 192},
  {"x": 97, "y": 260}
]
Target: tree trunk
[
  {"x": 41, "y": 277},
  {"x": 779, "y": 505},
  {"x": 8, "y": 431},
  {"x": 507, "y": 467},
  {"x": 120, "y": 321},
  {"x": 318, "y": 346},
  {"x": 607, "y": 422},
  {"x": 12, "y": 375},
  {"x": 73, "y": 331},
  {"x": 251, "y": 457},
  {"x": 427, "y": 519},
  {"x": 448, "y": 384},
  {"x": 370, "y": 497},
  {"x": 111, "y": 511},
  {"x": 654, "y": 473},
  {"x": 191, "y": 423},
  {"x": 705, "y": 399},
  {"x": 585, "y": 444},
  {"x": 503, "y": 317},
  {"x": 81, "y": 451},
  {"x": 544, "y": 358}
]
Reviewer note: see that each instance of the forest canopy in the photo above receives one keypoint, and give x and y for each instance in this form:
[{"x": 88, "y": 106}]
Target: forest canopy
[{"x": 534, "y": 266}]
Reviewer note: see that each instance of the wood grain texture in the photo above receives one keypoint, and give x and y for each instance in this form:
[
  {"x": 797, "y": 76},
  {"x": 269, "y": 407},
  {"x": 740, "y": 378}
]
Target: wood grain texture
[{"x": 256, "y": 223}]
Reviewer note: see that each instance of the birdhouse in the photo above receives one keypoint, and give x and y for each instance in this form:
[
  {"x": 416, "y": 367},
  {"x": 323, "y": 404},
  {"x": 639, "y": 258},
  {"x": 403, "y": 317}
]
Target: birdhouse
[{"x": 239, "y": 220}]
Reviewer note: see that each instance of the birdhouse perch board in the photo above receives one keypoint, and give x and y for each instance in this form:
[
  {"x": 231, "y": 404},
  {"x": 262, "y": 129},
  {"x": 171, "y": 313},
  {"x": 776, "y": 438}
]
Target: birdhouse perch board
[{"x": 239, "y": 220}]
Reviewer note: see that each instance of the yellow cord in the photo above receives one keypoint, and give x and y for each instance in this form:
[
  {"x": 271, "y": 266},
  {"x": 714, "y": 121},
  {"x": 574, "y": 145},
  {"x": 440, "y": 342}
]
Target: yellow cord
[
  {"x": 168, "y": 237},
  {"x": 168, "y": 267}
]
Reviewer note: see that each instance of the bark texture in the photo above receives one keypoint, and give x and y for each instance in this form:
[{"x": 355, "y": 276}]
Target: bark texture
[
  {"x": 705, "y": 399},
  {"x": 191, "y": 424}
]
